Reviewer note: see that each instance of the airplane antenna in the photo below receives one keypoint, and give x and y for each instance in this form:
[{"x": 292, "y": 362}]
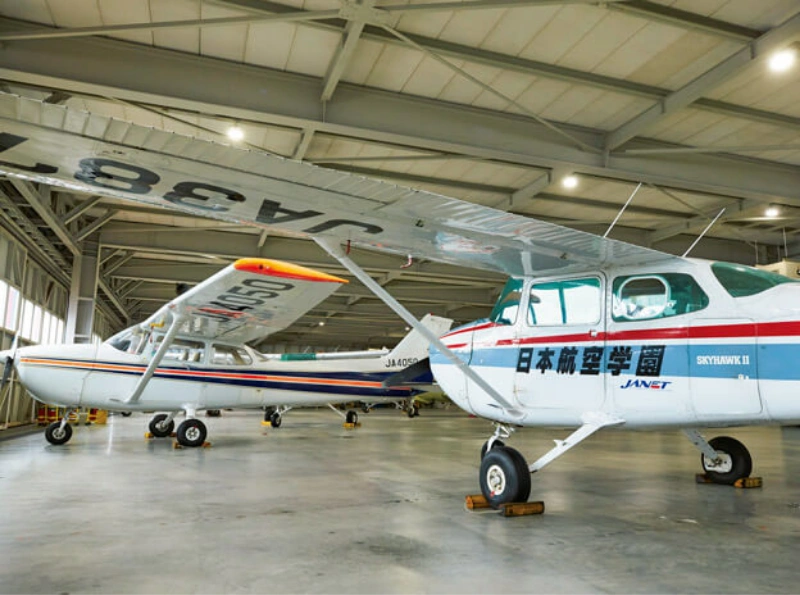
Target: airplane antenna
[
  {"x": 622, "y": 210},
  {"x": 700, "y": 237}
]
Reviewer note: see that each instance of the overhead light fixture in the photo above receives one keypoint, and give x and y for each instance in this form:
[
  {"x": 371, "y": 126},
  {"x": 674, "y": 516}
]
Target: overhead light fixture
[
  {"x": 782, "y": 61},
  {"x": 235, "y": 133},
  {"x": 569, "y": 182},
  {"x": 321, "y": 323},
  {"x": 772, "y": 211}
]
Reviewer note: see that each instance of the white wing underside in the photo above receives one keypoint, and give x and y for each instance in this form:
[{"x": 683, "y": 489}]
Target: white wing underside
[
  {"x": 247, "y": 300},
  {"x": 291, "y": 196}
]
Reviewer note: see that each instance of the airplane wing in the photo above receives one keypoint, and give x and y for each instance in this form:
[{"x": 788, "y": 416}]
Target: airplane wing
[
  {"x": 60, "y": 146},
  {"x": 249, "y": 299}
]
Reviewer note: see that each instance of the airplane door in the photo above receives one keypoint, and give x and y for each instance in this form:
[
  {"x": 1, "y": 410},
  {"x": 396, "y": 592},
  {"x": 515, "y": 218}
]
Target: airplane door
[
  {"x": 723, "y": 367},
  {"x": 561, "y": 348}
]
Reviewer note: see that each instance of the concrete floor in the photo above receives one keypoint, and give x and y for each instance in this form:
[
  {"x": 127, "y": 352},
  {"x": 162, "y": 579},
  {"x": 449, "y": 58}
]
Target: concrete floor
[{"x": 314, "y": 508}]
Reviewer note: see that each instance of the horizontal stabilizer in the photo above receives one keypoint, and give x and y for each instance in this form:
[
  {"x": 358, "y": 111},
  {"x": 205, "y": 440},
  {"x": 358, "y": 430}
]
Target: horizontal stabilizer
[{"x": 415, "y": 374}]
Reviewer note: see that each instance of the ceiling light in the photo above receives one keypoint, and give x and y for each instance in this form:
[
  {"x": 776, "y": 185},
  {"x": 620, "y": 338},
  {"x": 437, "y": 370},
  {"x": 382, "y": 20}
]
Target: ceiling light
[
  {"x": 235, "y": 133},
  {"x": 781, "y": 61},
  {"x": 322, "y": 323},
  {"x": 570, "y": 182},
  {"x": 772, "y": 211}
]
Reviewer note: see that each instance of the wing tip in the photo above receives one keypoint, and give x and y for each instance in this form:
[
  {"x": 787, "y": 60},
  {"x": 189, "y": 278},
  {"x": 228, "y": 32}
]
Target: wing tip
[{"x": 287, "y": 270}]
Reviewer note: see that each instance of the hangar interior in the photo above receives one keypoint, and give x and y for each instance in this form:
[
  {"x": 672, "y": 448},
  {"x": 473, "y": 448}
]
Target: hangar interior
[{"x": 560, "y": 110}]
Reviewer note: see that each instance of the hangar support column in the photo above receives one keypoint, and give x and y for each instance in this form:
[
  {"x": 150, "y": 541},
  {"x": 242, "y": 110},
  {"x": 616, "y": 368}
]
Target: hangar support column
[{"x": 83, "y": 294}]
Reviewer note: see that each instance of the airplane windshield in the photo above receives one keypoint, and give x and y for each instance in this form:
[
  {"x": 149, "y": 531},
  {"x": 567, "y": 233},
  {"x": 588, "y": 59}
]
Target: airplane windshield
[
  {"x": 506, "y": 308},
  {"x": 743, "y": 281},
  {"x": 129, "y": 341}
]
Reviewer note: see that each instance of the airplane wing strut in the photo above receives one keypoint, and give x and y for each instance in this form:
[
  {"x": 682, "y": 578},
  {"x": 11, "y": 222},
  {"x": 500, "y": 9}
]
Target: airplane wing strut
[
  {"x": 333, "y": 248},
  {"x": 177, "y": 320}
]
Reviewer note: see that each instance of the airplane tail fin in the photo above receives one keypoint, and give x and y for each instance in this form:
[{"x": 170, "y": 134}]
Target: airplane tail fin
[{"x": 414, "y": 346}]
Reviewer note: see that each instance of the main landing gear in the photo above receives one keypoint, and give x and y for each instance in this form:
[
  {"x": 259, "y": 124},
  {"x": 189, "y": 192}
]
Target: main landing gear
[
  {"x": 274, "y": 415},
  {"x": 725, "y": 460},
  {"x": 191, "y": 432},
  {"x": 505, "y": 476},
  {"x": 413, "y": 410}
]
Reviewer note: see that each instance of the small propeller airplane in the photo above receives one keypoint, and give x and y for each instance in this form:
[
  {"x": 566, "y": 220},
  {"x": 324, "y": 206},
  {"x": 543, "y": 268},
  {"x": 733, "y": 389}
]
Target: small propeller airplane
[
  {"x": 192, "y": 355},
  {"x": 589, "y": 333}
]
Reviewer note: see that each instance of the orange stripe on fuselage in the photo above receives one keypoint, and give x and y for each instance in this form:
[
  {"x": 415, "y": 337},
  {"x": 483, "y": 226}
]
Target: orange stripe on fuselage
[{"x": 197, "y": 373}]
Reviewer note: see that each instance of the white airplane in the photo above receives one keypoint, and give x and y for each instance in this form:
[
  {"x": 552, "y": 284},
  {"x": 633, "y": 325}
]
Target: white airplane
[
  {"x": 590, "y": 333},
  {"x": 191, "y": 356}
]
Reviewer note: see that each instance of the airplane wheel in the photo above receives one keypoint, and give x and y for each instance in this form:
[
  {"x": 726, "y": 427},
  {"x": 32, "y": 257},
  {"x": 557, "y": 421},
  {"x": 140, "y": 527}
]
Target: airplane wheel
[
  {"x": 213, "y": 413},
  {"x": 352, "y": 417},
  {"x": 191, "y": 432},
  {"x": 413, "y": 411},
  {"x": 157, "y": 430},
  {"x": 504, "y": 477},
  {"x": 126, "y": 413},
  {"x": 736, "y": 462},
  {"x": 497, "y": 443},
  {"x": 275, "y": 419},
  {"x": 268, "y": 413},
  {"x": 55, "y": 435},
  {"x": 365, "y": 408}
]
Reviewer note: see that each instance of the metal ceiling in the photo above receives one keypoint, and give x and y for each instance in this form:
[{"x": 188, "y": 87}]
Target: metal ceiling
[{"x": 491, "y": 101}]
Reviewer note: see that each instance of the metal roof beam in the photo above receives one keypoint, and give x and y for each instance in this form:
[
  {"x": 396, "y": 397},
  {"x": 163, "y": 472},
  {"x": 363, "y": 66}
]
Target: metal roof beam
[
  {"x": 175, "y": 80},
  {"x": 345, "y": 50},
  {"x": 683, "y": 18},
  {"x": 37, "y": 199},
  {"x": 80, "y": 209},
  {"x": 755, "y": 50}
]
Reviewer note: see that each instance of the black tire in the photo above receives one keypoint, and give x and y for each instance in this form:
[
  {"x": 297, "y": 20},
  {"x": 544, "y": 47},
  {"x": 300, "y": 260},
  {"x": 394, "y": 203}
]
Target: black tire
[
  {"x": 126, "y": 413},
  {"x": 496, "y": 444},
  {"x": 351, "y": 417},
  {"x": 501, "y": 478},
  {"x": 268, "y": 413},
  {"x": 191, "y": 433},
  {"x": 524, "y": 473},
  {"x": 736, "y": 464},
  {"x": 213, "y": 413},
  {"x": 275, "y": 419},
  {"x": 365, "y": 408},
  {"x": 55, "y": 435},
  {"x": 158, "y": 431}
]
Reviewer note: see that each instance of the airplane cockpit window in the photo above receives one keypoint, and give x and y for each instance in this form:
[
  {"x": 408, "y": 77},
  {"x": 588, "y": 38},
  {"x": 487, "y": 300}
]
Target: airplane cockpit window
[
  {"x": 182, "y": 350},
  {"x": 130, "y": 341},
  {"x": 571, "y": 301},
  {"x": 647, "y": 297},
  {"x": 226, "y": 355},
  {"x": 507, "y": 306},
  {"x": 743, "y": 281}
]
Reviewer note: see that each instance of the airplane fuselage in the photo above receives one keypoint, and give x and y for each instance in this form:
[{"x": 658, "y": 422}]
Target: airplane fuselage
[
  {"x": 704, "y": 355},
  {"x": 102, "y": 376}
]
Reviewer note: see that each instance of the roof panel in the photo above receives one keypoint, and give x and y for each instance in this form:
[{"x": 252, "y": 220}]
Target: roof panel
[
  {"x": 429, "y": 78},
  {"x": 471, "y": 27},
  {"x": 36, "y": 11},
  {"x": 515, "y": 29},
  {"x": 609, "y": 34},
  {"x": 268, "y": 44},
  {"x": 311, "y": 51},
  {"x": 510, "y": 84},
  {"x": 569, "y": 104},
  {"x": 118, "y": 12},
  {"x": 541, "y": 94},
  {"x": 610, "y": 110},
  {"x": 75, "y": 13},
  {"x": 363, "y": 61},
  {"x": 461, "y": 90},
  {"x": 394, "y": 67},
  {"x": 640, "y": 48},
  {"x": 185, "y": 39},
  {"x": 564, "y": 30},
  {"x": 428, "y": 24}
]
